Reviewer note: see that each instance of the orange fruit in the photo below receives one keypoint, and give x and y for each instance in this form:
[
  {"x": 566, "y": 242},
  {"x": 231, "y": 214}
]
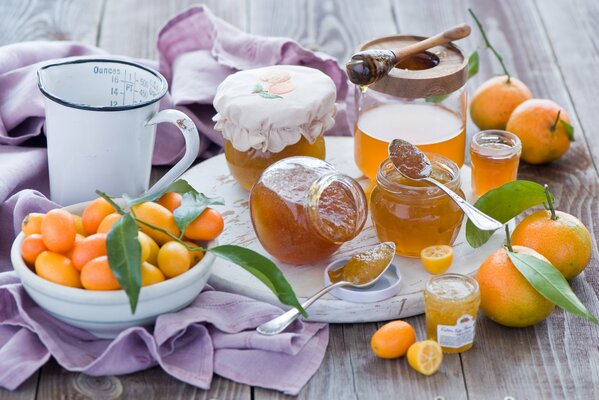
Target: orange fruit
[
  {"x": 207, "y": 226},
  {"x": 58, "y": 230},
  {"x": 94, "y": 213},
  {"x": 534, "y": 122},
  {"x": 31, "y": 247},
  {"x": 78, "y": 239},
  {"x": 107, "y": 222},
  {"x": 150, "y": 274},
  {"x": 565, "y": 241},
  {"x": 196, "y": 255},
  {"x": 393, "y": 339},
  {"x": 97, "y": 275},
  {"x": 149, "y": 248},
  {"x": 494, "y": 100},
  {"x": 506, "y": 297},
  {"x": 32, "y": 224},
  {"x": 159, "y": 216},
  {"x": 170, "y": 201},
  {"x": 425, "y": 357},
  {"x": 57, "y": 268},
  {"x": 437, "y": 259},
  {"x": 89, "y": 248},
  {"x": 79, "y": 225},
  {"x": 173, "y": 259}
]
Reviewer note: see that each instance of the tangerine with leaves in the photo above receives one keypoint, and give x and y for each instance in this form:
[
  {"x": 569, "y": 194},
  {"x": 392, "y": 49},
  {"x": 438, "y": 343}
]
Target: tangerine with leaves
[
  {"x": 170, "y": 201},
  {"x": 158, "y": 216},
  {"x": 94, "y": 213},
  {"x": 207, "y": 226},
  {"x": 97, "y": 275},
  {"x": 107, "y": 222},
  {"x": 393, "y": 339},
  {"x": 57, "y": 268},
  {"x": 196, "y": 255},
  {"x": 58, "y": 230}
]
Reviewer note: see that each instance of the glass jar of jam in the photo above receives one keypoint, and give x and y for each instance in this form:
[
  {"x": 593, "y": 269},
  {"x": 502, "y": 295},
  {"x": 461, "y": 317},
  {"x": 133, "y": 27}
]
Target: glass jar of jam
[
  {"x": 451, "y": 303},
  {"x": 422, "y": 100},
  {"x": 268, "y": 114},
  {"x": 302, "y": 209},
  {"x": 414, "y": 214}
]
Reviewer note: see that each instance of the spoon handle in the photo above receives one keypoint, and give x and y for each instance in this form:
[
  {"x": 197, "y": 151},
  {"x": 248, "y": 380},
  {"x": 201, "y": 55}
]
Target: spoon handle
[
  {"x": 278, "y": 324},
  {"x": 455, "y": 33},
  {"x": 479, "y": 219}
]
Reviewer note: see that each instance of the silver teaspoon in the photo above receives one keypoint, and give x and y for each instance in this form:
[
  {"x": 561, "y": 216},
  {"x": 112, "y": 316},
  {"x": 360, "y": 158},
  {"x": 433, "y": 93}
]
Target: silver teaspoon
[
  {"x": 413, "y": 164},
  {"x": 358, "y": 278}
]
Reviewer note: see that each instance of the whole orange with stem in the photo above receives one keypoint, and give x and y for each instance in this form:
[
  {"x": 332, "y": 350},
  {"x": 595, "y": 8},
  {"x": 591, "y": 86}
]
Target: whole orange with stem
[
  {"x": 494, "y": 101},
  {"x": 393, "y": 339},
  {"x": 94, "y": 213},
  {"x": 506, "y": 296},
  {"x": 58, "y": 230},
  {"x": 541, "y": 126},
  {"x": 557, "y": 235}
]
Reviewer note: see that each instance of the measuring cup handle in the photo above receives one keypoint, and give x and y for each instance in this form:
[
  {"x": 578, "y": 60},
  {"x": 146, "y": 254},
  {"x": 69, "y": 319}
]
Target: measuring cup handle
[{"x": 192, "y": 146}]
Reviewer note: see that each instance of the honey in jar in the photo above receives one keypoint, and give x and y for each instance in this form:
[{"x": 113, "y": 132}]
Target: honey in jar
[
  {"x": 268, "y": 114},
  {"x": 451, "y": 304},
  {"x": 415, "y": 214},
  {"x": 422, "y": 100},
  {"x": 302, "y": 209},
  {"x": 495, "y": 156}
]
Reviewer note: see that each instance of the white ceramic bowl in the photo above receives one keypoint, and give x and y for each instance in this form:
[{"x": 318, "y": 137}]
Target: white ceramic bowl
[{"x": 107, "y": 313}]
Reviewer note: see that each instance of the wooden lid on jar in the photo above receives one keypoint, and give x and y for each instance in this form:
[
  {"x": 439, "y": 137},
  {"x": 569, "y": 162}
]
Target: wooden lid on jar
[{"x": 445, "y": 69}]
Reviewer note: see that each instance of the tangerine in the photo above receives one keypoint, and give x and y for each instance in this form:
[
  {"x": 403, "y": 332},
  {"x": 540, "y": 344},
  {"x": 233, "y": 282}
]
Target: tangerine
[
  {"x": 150, "y": 274},
  {"x": 196, "y": 255},
  {"x": 107, "y": 222},
  {"x": 58, "y": 230},
  {"x": 393, "y": 339},
  {"x": 89, "y": 248},
  {"x": 173, "y": 259},
  {"x": 97, "y": 275},
  {"x": 31, "y": 247},
  {"x": 207, "y": 226},
  {"x": 170, "y": 201},
  {"x": 94, "y": 213},
  {"x": 159, "y": 216},
  {"x": 57, "y": 268},
  {"x": 32, "y": 224}
]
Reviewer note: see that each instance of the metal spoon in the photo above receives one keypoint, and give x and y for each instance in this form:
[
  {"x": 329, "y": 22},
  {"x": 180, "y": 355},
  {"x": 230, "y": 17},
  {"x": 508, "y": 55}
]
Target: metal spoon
[
  {"x": 413, "y": 164},
  {"x": 280, "y": 323}
]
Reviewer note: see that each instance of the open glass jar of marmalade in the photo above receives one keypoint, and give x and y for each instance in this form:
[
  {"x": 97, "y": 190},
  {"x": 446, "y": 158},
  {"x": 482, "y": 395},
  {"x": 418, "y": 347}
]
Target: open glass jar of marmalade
[
  {"x": 414, "y": 214},
  {"x": 422, "y": 100},
  {"x": 267, "y": 114},
  {"x": 302, "y": 209}
]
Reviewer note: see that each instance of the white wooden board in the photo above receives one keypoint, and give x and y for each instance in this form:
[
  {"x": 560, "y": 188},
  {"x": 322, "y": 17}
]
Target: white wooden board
[{"x": 212, "y": 177}]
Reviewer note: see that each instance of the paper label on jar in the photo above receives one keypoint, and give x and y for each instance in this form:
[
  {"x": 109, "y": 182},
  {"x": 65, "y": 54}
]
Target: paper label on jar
[{"x": 456, "y": 336}]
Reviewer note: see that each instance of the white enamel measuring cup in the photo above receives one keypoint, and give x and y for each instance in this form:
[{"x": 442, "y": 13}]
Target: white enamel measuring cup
[{"x": 101, "y": 117}]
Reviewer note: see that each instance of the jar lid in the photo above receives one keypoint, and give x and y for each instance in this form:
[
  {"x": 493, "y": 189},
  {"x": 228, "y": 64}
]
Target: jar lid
[
  {"x": 447, "y": 73},
  {"x": 273, "y": 107}
]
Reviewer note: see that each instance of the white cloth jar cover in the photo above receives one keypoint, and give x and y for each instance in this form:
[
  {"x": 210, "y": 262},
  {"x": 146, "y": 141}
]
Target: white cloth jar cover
[{"x": 273, "y": 107}]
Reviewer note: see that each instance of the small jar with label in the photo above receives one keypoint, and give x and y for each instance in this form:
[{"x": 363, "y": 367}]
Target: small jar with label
[
  {"x": 451, "y": 304},
  {"x": 268, "y": 114}
]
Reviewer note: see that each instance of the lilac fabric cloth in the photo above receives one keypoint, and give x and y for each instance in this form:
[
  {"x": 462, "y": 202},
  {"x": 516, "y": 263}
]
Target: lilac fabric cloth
[{"x": 216, "y": 333}]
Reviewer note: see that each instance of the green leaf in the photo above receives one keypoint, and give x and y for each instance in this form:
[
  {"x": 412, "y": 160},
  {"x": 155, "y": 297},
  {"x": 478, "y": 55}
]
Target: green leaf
[
  {"x": 263, "y": 269},
  {"x": 473, "y": 63},
  {"x": 550, "y": 283},
  {"x": 124, "y": 256},
  {"x": 192, "y": 205},
  {"x": 503, "y": 204},
  {"x": 179, "y": 186},
  {"x": 258, "y": 88},
  {"x": 437, "y": 99},
  {"x": 267, "y": 95},
  {"x": 569, "y": 129}
]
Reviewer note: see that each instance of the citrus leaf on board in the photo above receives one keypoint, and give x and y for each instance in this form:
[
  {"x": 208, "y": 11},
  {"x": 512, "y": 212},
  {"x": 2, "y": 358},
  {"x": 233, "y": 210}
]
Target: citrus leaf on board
[
  {"x": 473, "y": 64},
  {"x": 569, "y": 129}
]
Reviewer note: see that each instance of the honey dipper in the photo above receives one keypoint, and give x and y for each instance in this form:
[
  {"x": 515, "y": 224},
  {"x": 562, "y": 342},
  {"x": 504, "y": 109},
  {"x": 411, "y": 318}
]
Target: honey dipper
[{"x": 368, "y": 66}]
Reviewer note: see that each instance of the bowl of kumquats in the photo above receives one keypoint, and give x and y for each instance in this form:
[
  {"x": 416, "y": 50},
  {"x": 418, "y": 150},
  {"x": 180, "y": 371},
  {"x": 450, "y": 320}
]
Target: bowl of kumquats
[{"x": 77, "y": 262}]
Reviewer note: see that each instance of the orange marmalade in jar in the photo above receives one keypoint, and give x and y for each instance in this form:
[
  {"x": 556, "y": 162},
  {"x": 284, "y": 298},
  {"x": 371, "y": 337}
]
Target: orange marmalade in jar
[
  {"x": 268, "y": 114},
  {"x": 302, "y": 209},
  {"x": 422, "y": 100},
  {"x": 414, "y": 214},
  {"x": 451, "y": 303}
]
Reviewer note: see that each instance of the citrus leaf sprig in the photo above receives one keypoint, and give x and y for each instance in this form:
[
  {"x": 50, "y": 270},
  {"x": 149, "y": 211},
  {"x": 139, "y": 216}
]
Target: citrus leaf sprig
[
  {"x": 489, "y": 46},
  {"x": 124, "y": 250}
]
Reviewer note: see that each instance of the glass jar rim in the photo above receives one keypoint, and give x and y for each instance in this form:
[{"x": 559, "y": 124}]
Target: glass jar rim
[
  {"x": 437, "y": 161},
  {"x": 496, "y": 136},
  {"x": 462, "y": 277}
]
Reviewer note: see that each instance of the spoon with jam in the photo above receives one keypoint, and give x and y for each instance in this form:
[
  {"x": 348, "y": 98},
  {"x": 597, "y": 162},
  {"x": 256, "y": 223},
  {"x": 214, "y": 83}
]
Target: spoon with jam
[
  {"x": 415, "y": 165},
  {"x": 368, "y": 66},
  {"x": 361, "y": 271}
]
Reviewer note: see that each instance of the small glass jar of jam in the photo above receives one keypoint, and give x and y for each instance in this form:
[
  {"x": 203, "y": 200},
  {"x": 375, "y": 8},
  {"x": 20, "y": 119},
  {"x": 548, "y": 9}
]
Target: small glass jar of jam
[
  {"x": 495, "y": 156},
  {"x": 268, "y": 114},
  {"x": 414, "y": 214},
  {"x": 451, "y": 303},
  {"x": 422, "y": 100},
  {"x": 302, "y": 209}
]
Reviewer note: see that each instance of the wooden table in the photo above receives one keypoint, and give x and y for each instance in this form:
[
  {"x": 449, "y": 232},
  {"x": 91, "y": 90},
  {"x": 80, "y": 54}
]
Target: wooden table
[{"x": 550, "y": 45}]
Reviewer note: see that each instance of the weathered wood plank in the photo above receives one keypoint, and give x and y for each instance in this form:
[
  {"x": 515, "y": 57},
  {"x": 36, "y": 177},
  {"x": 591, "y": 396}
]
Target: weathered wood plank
[
  {"x": 24, "y": 20},
  {"x": 151, "y": 384},
  {"x": 131, "y": 27},
  {"x": 336, "y": 27},
  {"x": 27, "y": 390},
  {"x": 552, "y": 359}
]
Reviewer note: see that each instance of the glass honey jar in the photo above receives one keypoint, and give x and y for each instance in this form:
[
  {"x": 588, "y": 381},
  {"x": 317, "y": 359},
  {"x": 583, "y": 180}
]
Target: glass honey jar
[
  {"x": 422, "y": 100},
  {"x": 303, "y": 210},
  {"x": 268, "y": 114},
  {"x": 415, "y": 214}
]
